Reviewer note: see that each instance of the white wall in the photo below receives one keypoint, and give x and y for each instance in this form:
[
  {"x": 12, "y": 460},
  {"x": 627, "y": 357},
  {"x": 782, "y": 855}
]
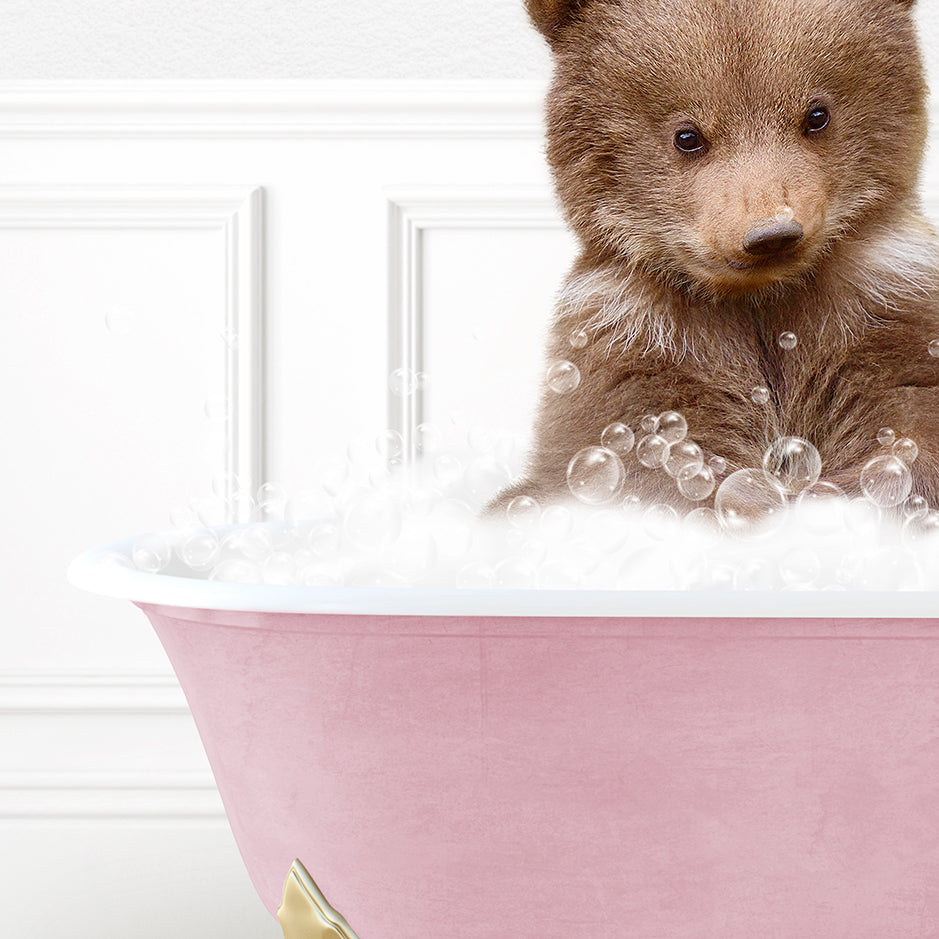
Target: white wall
[
  {"x": 128, "y": 39},
  {"x": 118, "y": 204}
]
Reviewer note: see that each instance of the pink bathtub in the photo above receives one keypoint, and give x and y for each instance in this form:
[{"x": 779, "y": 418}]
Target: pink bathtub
[{"x": 544, "y": 765}]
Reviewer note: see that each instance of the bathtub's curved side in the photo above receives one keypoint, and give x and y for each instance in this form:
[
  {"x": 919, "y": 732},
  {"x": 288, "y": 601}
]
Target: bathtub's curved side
[{"x": 548, "y": 778}]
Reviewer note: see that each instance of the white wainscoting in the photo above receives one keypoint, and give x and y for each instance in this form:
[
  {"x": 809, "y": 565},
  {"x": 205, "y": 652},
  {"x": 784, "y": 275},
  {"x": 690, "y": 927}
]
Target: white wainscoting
[{"x": 212, "y": 282}]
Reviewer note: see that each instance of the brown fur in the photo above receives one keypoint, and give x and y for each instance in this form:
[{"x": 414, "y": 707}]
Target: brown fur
[{"x": 678, "y": 316}]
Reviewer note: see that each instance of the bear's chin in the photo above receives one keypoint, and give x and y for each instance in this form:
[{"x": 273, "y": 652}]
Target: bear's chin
[{"x": 731, "y": 278}]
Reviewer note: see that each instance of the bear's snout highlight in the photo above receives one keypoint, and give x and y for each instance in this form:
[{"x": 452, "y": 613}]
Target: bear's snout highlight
[{"x": 772, "y": 237}]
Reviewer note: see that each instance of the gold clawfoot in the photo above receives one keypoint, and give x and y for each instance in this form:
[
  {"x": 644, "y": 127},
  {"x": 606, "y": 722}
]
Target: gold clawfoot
[{"x": 304, "y": 912}]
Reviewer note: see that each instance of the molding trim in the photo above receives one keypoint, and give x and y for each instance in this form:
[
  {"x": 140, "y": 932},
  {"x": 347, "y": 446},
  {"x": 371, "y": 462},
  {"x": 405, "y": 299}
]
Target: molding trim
[
  {"x": 411, "y": 214},
  {"x": 272, "y": 109},
  {"x": 237, "y": 212},
  {"x": 67, "y": 693},
  {"x": 67, "y": 794},
  {"x": 74, "y": 796}
]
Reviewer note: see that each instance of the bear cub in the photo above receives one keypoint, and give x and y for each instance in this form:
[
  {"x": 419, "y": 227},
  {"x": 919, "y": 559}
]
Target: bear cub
[{"x": 742, "y": 178}]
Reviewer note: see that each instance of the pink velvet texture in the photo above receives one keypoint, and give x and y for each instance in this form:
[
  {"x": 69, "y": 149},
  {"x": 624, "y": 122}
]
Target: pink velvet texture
[{"x": 466, "y": 778}]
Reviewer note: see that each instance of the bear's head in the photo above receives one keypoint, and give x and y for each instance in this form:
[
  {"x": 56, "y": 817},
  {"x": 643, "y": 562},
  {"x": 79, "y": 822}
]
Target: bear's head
[{"x": 726, "y": 146}]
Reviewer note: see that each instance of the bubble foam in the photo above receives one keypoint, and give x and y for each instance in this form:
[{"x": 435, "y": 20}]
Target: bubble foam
[{"x": 373, "y": 520}]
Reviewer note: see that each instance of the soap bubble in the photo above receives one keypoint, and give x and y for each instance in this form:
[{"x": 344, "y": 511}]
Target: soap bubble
[
  {"x": 324, "y": 539},
  {"x": 242, "y": 505},
  {"x": 453, "y": 524},
  {"x": 749, "y": 503},
  {"x": 280, "y": 568},
  {"x": 151, "y": 553},
  {"x": 118, "y": 559},
  {"x": 320, "y": 575},
  {"x": 254, "y": 542},
  {"x": 403, "y": 382},
  {"x": 523, "y": 512},
  {"x": 886, "y": 436},
  {"x": 271, "y": 501},
  {"x": 888, "y": 568},
  {"x": 427, "y": 438},
  {"x": 649, "y": 423},
  {"x": 718, "y": 464},
  {"x": 934, "y": 348},
  {"x": 703, "y": 519},
  {"x": 684, "y": 459},
  {"x": 120, "y": 322},
  {"x": 697, "y": 485},
  {"x": 381, "y": 580},
  {"x": 660, "y": 521},
  {"x": 906, "y": 450},
  {"x": 862, "y": 516},
  {"x": 236, "y": 570},
  {"x": 792, "y": 463},
  {"x": 224, "y": 483},
  {"x": 886, "y": 481},
  {"x": 184, "y": 516},
  {"x": 557, "y": 521},
  {"x": 308, "y": 505},
  {"x": 331, "y": 474},
  {"x": 373, "y": 520},
  {"x": 652, "y": 451},
  {"x": 799, "y": 567},
  {"x": 558, "y": 575},
  {"x": 579, "y": 338},
  {"x": 618, "y": 437},
  {"x": 211, "y": 511},
  {"x": 788, "y": 341},
  {"x": 447, "y": 469},
  {"x": 760, "y": 394},
  {"x": 915, "y": 507},
  {"x": 672, "y": 426},
  {"x": 515, "y": 574},
  {"x": 756, "y": 574},
  {"x": 485, "y": 476},
  {"x": 412, "y": 555},
  {"x": 507, "y": 449},
  {"x": 199, "y": 549},
  {"x": 390, "y": 444},
  {"x": 595, "y": 475},
  {"x": 533, "y": 550},
  {"x": 480, "y": 439},
  {"x": 607, "y": 530},
  {"x": 475, "y": 576},
  {"x": 824, "y": 504},
  {"x": 850, "y": 568},
  {"x": 216, "y": 409},
  {"x": 918, "y": 528},
  {"x": 563, "y": 377}
]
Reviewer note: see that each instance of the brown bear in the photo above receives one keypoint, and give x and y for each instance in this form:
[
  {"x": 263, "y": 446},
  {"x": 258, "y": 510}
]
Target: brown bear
[{"x": 742, "y": 178}]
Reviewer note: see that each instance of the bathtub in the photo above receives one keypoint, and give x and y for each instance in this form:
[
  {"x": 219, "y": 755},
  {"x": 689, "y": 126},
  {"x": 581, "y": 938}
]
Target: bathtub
[{"x": 549, "y": 764}]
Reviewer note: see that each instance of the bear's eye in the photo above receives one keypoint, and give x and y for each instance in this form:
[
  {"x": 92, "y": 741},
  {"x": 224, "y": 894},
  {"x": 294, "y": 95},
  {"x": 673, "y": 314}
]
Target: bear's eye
[
  {"x": 690, "y": 140},
  {"x": 817, "y": 119}
]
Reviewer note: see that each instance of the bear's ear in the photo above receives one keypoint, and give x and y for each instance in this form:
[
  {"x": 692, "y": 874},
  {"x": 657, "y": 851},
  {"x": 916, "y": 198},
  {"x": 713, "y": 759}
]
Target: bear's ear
[{"x": 551, "y": 15}]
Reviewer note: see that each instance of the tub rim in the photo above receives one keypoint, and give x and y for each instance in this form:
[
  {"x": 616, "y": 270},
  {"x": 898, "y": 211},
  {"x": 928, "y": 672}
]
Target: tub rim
[{"x": 97, "y": 571}]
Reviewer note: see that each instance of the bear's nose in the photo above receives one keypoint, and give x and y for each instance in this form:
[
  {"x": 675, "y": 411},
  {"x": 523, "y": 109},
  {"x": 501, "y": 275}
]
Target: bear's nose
[{"x": 773, "y": 236}]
